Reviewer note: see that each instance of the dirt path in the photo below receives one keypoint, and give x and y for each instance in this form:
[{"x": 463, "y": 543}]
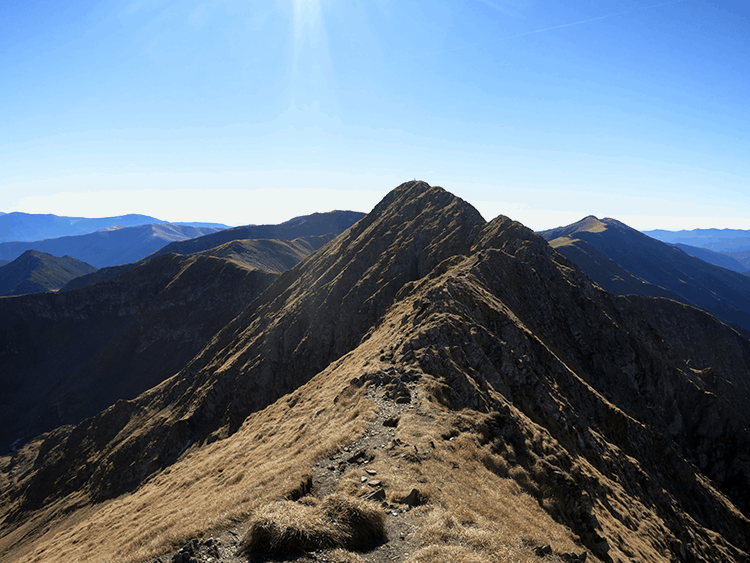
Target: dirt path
[{"x": 350, "y": 461}]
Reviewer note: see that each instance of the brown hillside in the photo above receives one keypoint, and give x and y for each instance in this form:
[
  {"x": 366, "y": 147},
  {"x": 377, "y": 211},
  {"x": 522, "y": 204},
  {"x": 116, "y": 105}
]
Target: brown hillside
[
  {"x": 267, "y": 254},
  {"x": 507, "y": 408}
]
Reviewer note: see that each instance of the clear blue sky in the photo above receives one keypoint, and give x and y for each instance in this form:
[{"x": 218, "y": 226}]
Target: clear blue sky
[{"x": 256, "y": 111}]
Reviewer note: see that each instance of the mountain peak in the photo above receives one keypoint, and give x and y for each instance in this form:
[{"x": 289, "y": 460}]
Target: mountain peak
[{"x": 35, "y": 272}]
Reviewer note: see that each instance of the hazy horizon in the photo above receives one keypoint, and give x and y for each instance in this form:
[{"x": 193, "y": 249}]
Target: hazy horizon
[{"x": 227, "y": 112}]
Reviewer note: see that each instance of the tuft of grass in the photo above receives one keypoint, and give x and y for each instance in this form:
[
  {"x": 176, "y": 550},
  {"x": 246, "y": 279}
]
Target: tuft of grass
[{"x": 339, "y": 521}]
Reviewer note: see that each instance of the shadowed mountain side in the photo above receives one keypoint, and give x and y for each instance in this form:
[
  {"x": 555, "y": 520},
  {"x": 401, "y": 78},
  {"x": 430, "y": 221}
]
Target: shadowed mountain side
[
  {"x": 723, "y": 259},
  {"x": 533, "y": 405},
  {"x": 108, "y": 247},
  {"x": 742, "y": 256},
  {"x": 609, "y": 274},
  {"x": 67, "y": 356},
  {"x": 721, "y": 292},
  {"x": 317, "y": 224},
  {"x": 37, "y": 272}
]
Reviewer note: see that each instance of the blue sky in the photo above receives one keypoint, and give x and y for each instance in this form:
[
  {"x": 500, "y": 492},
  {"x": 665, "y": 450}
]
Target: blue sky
[{"x": 257, "y": 111}]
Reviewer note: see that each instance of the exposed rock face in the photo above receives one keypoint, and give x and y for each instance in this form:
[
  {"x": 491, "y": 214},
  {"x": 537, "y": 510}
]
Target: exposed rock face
[
  {"x": 625, "y": 418},
  {"x": 603, "y": 376},
  {"x": 37, "y": 272}
]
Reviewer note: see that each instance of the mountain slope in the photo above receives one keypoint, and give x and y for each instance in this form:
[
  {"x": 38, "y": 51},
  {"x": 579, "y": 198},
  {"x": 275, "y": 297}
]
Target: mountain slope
[
  {"x": 267, "y": 255},
  {"x": 317, "y": 224},
  {"x": 69, "y": 355},
  {"x": 722, "y": 292},
  {"x": 742, "y": 256},
  {"x": 35, "y": 272},
  {"x": 109, "y": 247},
  {"x": 466, "y": 360},
  {"x": 723, "y": 259}
]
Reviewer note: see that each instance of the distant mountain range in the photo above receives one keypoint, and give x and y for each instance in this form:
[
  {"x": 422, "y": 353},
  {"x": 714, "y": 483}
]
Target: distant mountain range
[
  {"x": 309, "y": 225},
  {"x": 109, "y": 247},
  {"x": 28, "y": 227},
  {"x": 35, "y": 272},
  {"x": 625, "y": 261},
  {"x": 719, "y": 240},
  {"x": 123, "y": 245}
]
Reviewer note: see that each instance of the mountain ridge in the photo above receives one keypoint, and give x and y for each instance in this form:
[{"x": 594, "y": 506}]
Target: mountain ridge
[
  {"x": 624, "y": 260},
  {"x": 315, "y": 224},
  {"x": 719, "y": 240},
  {"x": 535, "y": 408}
]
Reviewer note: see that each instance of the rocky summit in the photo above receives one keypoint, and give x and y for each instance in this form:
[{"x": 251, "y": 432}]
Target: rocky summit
[{"x": 427, "y": 386}]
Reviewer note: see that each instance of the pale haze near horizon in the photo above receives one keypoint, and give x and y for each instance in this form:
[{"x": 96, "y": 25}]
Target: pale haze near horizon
[{"x": 238, "y": 113}]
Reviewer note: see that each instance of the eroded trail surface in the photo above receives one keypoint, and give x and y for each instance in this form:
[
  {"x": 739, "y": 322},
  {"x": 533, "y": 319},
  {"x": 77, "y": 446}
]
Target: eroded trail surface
[{"x": 351, "y": 465}]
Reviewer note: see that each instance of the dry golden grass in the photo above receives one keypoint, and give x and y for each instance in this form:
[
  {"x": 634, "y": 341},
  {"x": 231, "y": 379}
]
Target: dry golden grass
[
  {"x": 477, "y": 505},
  {"x": 336, "y": 522},
  {"x": 208, "y": 489}
]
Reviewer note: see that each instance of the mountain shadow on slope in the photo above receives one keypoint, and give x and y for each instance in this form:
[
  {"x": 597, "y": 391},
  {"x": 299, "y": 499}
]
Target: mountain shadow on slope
[
  {"x": 37, "y": 272},
  {"x": 721, "y": 292},
  {"x": 67, "y": 356}
]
